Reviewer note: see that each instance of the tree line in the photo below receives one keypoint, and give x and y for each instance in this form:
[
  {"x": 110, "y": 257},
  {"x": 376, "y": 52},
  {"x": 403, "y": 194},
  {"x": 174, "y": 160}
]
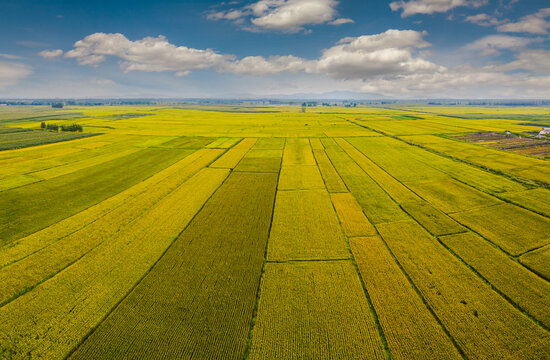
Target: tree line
[{"x": 55, "y": 127}]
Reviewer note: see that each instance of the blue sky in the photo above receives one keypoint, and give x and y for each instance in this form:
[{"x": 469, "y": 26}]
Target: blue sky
[{"x": 399, "y": 49}]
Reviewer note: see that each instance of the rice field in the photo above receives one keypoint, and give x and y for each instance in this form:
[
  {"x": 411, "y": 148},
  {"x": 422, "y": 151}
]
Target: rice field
[{"x": 265, "y": 232}]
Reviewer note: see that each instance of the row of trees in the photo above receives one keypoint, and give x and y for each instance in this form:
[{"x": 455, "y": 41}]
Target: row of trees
[{"x": 55, "y": 127}]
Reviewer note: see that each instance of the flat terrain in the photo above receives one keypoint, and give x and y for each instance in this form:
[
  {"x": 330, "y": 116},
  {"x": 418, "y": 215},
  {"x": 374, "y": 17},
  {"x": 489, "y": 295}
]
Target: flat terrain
[{"x": 241, "y": 232}]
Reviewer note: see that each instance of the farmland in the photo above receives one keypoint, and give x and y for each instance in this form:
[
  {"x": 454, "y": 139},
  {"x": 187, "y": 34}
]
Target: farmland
[{"x": 269, "y": 232}]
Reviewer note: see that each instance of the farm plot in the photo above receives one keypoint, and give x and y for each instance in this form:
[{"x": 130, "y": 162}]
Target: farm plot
[
  {"x": 332, "y": 179},
  {"x": 421, "y": 165},
  {"x": 265, "y": 156},
  {"x": 506, "y": 226},
  {"x": 411, "y": 330},
  {"x": 50, "y": 321},
  {"x": 524, "y": 288},
  {"x": 451, "y": 196},
  {"x": 252, "y": 232},
  {"x": 537, "y": 200},
  {"x": 185, "y": 142},
  {"x": 482, "y": 323},
  {"x": 232, "y": 157},
  {"x": 29, "y": 208},
  {"x": 305, "y": 226},
  {"x": 25, "y": 138},
  {"x": 513, "y": 164},
  {"x": 30, "y": 244},
  {"x": 538, "y": 261},
  {"x": 208, "y": 280},
  {"x": 40, "y": 265},
  {"x": 299, "y": 170},
  {"x": 314, "y": 310},
  {"x": 375, "y": 202},
  {"x": 434, "y": 220},
  {"x": 298, "y": 152},
  {"x": 353, "y": 220}
]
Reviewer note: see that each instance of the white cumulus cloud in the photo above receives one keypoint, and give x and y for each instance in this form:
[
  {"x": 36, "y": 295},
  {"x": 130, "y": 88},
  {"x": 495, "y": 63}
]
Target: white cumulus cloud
[
  {"x": 151, "y": 54},
  {"x": 536, "y": 23},
  {"x": 491, "y": 44},
  {"x": 283, "y": 15},
  {"x": 388, "y": 53},
  {"x": 413, "y": 7},
  {"x": 537, "y": 60},
  {"x": 258, "y": 65},
  {"x": 394, "y": 63},
  {"x": 483, "y": 20},
  {"x": 51, "y": 54}
]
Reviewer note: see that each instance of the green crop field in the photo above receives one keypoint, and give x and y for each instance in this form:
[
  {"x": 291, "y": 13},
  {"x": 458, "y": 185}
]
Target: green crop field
[{"x": 269, "y": 232}]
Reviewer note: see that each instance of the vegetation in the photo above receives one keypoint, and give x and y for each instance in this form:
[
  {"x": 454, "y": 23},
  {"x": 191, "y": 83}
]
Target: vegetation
[
  {"x": 17, "y": 139},
  {"x": 228, "y": 243},
  {"x": 254, "y": 231}
]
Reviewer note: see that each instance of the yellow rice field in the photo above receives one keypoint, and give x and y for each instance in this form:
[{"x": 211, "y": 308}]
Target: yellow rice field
[{"x": 267, "y": 232}]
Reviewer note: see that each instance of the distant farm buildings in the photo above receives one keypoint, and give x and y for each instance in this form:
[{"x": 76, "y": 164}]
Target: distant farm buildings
[{"x": 544, "y": 132}]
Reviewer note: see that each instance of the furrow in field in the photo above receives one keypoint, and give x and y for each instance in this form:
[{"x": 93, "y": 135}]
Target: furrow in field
[
  {"x": 481, "y": 322},
  {"x": 49, "y": 321},
  {"x": 520, "y": 285},
  {"x": 197, "y": 301},
  {"x": 314, "y": 310},
  {"x": 43, "y": 264},
  {"x": 411, "y": 330}
]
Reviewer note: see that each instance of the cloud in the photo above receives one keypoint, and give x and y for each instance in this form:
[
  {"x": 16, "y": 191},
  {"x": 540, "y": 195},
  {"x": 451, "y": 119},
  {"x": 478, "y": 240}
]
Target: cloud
[
  {"x": 388, "y": 53},
  {"x": 149, "y": 54},
  {"x": 283, "y": 15},
  {"x": 10, "y": 57},
  {"x": 103, "y": 82},
  {"x": 341, "y": 21},
  {"x": 413, "y": 7},
  {"x": 537, "y": 60},
  {"x": 483, "y": 20},
  {"x": 392, "y": 63},
  {"x": 11, "y": 73},
  {"x": 229, "y": 15},
  {"x": 258, "y": 65},
  {"x": 536, "y": 23},
  {"x": 463, "y": 81},
  {"x": 51, "y": 54},
  {"x": 392, "y": 52},
  {"x": 491, "y": 44}
]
